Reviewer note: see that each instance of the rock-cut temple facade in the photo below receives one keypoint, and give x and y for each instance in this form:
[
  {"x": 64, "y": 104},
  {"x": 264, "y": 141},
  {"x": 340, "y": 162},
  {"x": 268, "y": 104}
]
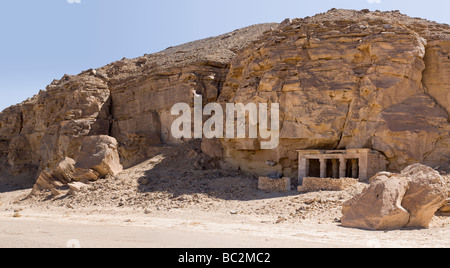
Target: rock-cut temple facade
[{"x": 359, "y": 164}]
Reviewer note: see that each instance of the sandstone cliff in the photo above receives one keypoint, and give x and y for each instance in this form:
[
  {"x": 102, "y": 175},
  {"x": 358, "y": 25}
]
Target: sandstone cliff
[
  {"x": 348, "y": 79},
  {"x": 344, "y": 79},
  {"x": 129, "y": 99}
]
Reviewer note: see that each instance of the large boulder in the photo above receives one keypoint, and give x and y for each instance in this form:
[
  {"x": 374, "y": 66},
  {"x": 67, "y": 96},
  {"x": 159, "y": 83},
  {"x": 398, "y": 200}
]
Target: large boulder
[
  {"x": 52, "y": 179},
  {"x": 426, "y": 193},
  {"x": 100, "y": 154},
  {"x": 409, "y": 199},
  {"x": 97, "y": 159},
  {"x": 445, "y": 208},
  {"x": 379, "y": 206},
  {"x": 64, "y": 173},
  {"x": 85, "y": 175}
]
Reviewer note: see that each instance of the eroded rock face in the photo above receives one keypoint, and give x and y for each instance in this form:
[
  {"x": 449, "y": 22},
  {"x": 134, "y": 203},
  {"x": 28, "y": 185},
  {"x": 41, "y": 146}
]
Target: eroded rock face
[
  {"x": 347, "y": 80},
  {"x": 100, "y": 153},
  {"x": 445, "y": 208},
  {"x": 344, "y": 79},
  {"x": 42, "y": 131},
  {"x": 53, "y": 179},
  {"x": 145, "y": 89},
  {"x": 98, "y": 158},
  {"x": 409, "y": 199}
]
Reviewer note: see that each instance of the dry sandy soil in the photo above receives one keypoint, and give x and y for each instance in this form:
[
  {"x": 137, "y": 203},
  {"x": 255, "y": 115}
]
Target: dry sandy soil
[{"x": 186, "y": 202}]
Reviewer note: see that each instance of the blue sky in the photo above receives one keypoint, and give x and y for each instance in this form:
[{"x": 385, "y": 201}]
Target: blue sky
[{"x": 42, "y": 40}]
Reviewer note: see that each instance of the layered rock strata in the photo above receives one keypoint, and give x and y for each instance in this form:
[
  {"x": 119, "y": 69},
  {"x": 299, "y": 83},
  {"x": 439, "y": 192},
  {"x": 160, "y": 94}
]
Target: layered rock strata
[
  {"x": 344, "y": 79},
  {"x": 348, "y": 80}
]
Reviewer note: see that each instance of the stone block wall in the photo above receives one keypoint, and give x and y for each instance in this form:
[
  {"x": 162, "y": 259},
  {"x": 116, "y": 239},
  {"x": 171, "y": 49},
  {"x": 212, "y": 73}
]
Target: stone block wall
[{"x": 274, "y": 185}]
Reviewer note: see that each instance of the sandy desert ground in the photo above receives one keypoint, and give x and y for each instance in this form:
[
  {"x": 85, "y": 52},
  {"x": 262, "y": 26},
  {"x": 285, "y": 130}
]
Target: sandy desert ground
[
  {"x": 214, "y": 225},
  {"x": 164, "y": 203}
]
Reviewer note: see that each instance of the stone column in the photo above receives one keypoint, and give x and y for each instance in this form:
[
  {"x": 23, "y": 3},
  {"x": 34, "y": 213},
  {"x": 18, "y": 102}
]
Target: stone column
[
  {"x": 303, "y": 169},
  {"x": 342, "y": 167},
  {"x": 355, "y": 168},
  {"x": 364, "y": 166},
  {"x": 323, "y": 168},
  {"x": 335, "y": 168}
]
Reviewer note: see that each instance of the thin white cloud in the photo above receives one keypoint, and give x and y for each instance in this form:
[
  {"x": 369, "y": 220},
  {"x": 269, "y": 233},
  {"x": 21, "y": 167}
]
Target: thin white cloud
[
  {"x": 369, "y": 1},
  {"x": 74, "y": 1}
]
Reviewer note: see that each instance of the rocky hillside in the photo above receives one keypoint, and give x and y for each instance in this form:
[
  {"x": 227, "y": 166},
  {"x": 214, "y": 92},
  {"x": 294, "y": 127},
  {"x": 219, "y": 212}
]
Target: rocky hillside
[
  {"x": 349, "y": 79},
  {"x": 344, "y": 79}
]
